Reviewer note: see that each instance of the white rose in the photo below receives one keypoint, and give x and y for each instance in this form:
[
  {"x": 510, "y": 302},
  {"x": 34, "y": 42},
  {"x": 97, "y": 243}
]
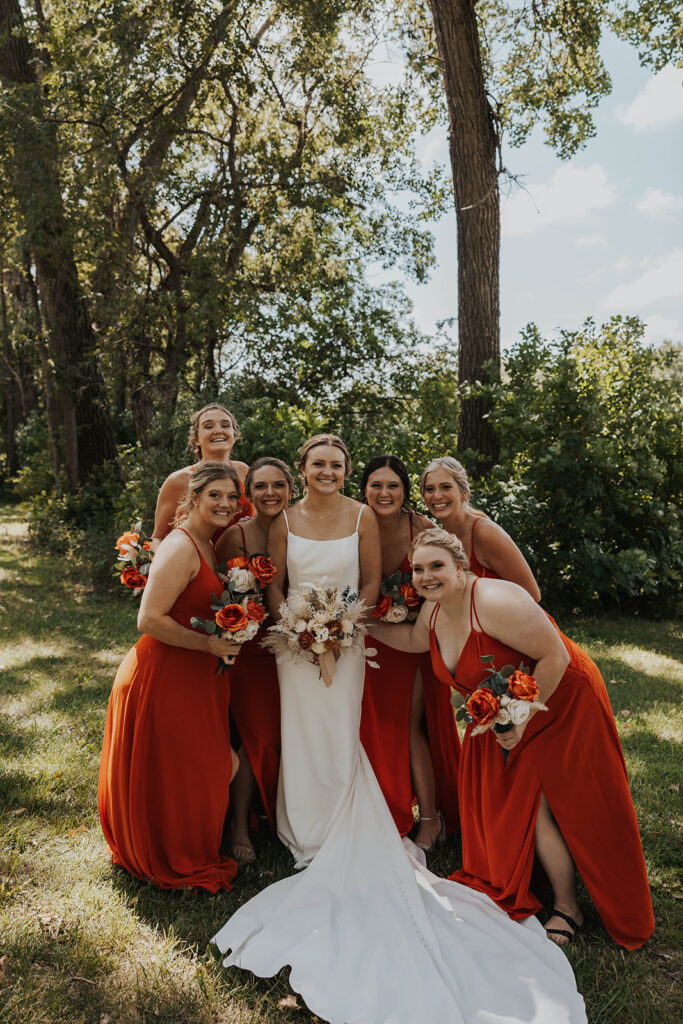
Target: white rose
[
  {"x": 318, "y": 647},
  {"x": 293, "y": 642},
  {"x": 242, "y": 580},
  {"x": 301, "y": 626},
  {"x": 251, "y": 630},
  {"x": 396, "y": 613},
  {"x": 322, "y": 634},
  {"x": 519, "y": 711},
  {"x": 503, "y": 717},
  {"x": 320, "y": 618},
  {"x": 240, "y": 636}
]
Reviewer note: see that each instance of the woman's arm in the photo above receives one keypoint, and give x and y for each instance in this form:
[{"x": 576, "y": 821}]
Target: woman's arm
[
  {"x": 174, "y": 565},
  {"x": 370, "y": 556},
  {"x": 413, "y": 637},
  {"x": 277, "y": 552},
  {"x": 172, "y": 491},
  {"x": 507, "y": 612},
  {"x": 496, "y": 550}
]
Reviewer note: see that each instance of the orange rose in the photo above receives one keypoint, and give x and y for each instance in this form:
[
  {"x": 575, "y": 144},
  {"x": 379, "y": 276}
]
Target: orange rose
[
  {"x": 255, "y": 611},
  {"x": 241, "y": 562},
  {"x": 245, "y": 509},
  {"x": 483, "y": 706},
  {"x": 410, "y": 595},
  {"x": 382, "y": 607},
  {"x": 332, "y": 644},
  {"x": 263, "y": 569},
  {"x": 334, "y": 627},
  {"x": 522, "y": 686},
  {"x": 132, "y": 578},
  {"x": 127, "y": 538},
  {"x": 233, "y": 618},
  {"x": 306, "y": 639}
]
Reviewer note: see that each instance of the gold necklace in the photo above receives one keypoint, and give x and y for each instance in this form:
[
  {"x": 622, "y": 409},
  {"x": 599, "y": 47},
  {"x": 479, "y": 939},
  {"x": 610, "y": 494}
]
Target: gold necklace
[{"x": 327, "y": 514}]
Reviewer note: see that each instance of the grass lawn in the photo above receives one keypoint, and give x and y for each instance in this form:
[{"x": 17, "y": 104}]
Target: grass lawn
[{"x": 83, "y": 943}]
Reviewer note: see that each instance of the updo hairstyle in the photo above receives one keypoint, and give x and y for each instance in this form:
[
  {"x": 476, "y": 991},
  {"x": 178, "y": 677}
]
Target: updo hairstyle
[
  {"x": 314, "y": 442},
  {"x": 269, "y": 460},
  {"x": 435, "y": 537},
  {"x": 193, "y": 437},
  {"x": 399, "y": 468},
  {"x": 201, "y": 477}
]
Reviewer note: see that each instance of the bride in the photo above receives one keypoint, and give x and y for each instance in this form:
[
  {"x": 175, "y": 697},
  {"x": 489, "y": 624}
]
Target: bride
[{"x": 371, "y": 936}]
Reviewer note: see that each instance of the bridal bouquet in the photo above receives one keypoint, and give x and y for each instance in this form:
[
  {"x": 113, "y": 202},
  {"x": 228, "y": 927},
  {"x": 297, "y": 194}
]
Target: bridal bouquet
[
  {"x": 134, "y": 559},
  {"x": 502, "y": 701},
  {"x": 318, "y": 623},
  {"x": 240, "y": 610},
  {"x": 399, "y": 600}
]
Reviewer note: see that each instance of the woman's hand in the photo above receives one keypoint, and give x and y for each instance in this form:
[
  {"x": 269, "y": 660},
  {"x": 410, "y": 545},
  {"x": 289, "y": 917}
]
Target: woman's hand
[
  {"x": 223, "y": 648},
  {"x": 511, "y": 737}
]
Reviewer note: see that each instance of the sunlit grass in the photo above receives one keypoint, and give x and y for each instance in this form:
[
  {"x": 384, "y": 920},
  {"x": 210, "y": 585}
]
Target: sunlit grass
[{"x": 87, "y": 944}]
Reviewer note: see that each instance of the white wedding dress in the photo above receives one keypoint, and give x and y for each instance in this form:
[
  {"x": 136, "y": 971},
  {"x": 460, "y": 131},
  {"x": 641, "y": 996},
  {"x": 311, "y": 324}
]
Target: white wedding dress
[{"x": 372, "y": 936}]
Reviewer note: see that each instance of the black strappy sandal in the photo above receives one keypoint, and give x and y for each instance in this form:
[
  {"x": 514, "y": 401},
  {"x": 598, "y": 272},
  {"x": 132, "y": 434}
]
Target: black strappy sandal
[{"x": 563, "y": 931}]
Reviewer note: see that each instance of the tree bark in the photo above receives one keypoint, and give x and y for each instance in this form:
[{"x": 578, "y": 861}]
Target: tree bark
[
  {"x": 473, "y": 142},
  {"x": 89, "y": 442},
  {"x": 10, "y": 384}
]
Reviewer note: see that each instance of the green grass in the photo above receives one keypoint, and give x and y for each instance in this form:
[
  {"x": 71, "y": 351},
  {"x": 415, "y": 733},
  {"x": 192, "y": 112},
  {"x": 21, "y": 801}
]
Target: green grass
[{"x": 83, "y": 943}]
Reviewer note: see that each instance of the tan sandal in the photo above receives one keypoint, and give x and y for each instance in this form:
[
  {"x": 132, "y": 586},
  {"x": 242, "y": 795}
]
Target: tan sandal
[{"x": 440, "y": 835}]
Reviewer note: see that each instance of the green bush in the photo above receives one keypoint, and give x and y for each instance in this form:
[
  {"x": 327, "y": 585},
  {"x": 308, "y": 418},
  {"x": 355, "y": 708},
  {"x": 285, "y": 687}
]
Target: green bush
[{"x": 590, "y": 476}]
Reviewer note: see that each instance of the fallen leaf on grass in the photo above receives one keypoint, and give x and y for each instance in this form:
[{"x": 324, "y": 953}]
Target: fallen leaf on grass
[
  {"x": 19, "y": 810},
  {"x": 74, "y": 831},
  {"x": 51, "y": 923},
  {"x": 105, "y": 1018},
  {"x": 625, "y": 712},
  {"x": 3, "y": 961},
  {"x": 674, "y": 787},
  {"x": 288, "y": 1003}
]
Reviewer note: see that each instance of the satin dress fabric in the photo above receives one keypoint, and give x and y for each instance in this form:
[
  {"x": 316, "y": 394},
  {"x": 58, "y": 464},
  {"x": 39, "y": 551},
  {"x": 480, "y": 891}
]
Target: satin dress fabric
[
  {"x": 570, "y": 753},
  {"x": 164, "y": 777},
  {"x": 371, "y": 936}
]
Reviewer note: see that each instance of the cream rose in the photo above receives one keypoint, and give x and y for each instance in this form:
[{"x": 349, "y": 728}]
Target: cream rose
[
  {"x": 242, "y": 580},
  {"x": 397, "y": 613}
]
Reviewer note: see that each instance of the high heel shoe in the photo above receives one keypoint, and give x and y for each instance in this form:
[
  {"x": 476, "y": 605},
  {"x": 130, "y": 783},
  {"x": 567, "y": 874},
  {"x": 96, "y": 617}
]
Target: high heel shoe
[{"x": 440, "y": 835}]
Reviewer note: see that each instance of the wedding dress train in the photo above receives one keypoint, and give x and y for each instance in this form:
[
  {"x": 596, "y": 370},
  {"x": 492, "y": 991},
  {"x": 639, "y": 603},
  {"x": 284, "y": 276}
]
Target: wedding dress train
[{"x": 372, "y": 936}]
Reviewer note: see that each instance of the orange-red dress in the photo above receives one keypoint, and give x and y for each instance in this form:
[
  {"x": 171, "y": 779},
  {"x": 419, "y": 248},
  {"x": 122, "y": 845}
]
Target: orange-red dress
[
  {"x": 385, "y": 730},
  {"x": 255, "y": 707},
  {"x": 165, "y": 770},
  {"x": 570, "y": 753},
  {"x": 475, "y": 565}
]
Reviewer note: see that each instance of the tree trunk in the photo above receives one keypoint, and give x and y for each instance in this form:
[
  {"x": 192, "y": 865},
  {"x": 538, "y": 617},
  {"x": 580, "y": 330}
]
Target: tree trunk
[
  {"x": 10, "y": 385},
  {"x": 86, "y": 421},
  {"x": 47, "y": 371},
  {"x": 473, "y": 149}
]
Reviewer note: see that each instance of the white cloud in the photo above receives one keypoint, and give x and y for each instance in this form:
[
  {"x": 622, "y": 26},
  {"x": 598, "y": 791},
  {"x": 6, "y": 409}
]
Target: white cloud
[
  {"x": 657, "y": 203},
  {"x": 660, "y": 328},
  {"x": 658, "y": 104},
  {"x": 663, "y": 280},
  {"x": 597, "y": 238},
  {"x": 572, "y": 194}
]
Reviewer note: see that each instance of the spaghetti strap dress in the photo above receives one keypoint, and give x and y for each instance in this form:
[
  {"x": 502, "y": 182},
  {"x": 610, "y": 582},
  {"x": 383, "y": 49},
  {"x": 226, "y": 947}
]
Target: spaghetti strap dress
[
  {"x": 371, "y": 936},
  {"x": 475, "y": 565},
  {"x": 571, "y": 754},
  {"x": 164, "y": 777},
  {"x": 385, "y": 730},
  {"x": 255, "y": 708}
]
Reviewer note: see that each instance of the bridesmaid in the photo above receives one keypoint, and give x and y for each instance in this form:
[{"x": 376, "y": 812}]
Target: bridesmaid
[
  {"x": 166, "y": 759},
  {"x": 563, "y": 790},
  {"x": 213, "y": 433},
  {"x": 255, "y": 694},
  {"x": 492, "y": 553},
  {"x": 394, "y": 699}
]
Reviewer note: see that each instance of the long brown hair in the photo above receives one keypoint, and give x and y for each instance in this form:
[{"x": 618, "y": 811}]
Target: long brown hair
[{"x": 201, "y": 477}]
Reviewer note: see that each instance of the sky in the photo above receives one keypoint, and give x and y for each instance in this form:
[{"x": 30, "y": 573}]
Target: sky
[{"x": 596, "y": 235}]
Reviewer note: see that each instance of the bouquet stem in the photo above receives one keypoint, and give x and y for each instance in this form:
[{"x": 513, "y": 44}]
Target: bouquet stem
[{"x": 328, "y": 666}]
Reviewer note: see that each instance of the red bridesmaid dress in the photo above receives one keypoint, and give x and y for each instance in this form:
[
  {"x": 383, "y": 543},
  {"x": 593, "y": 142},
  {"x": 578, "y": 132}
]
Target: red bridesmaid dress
[
  {"x": 255, "y": 707},
  {"x": 570, "y": 753},
  {"x": 475, "y": 565},
  {"x": 385, "y": 730},
  {"x": 165, "y": 771}
]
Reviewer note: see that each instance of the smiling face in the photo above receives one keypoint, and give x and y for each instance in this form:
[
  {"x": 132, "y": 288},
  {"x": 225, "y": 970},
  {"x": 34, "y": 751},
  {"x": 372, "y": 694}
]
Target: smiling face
[
  {"x": 215, "y": 434},
  {"x": 442, "y": 495},
  {"x": 324, "y": 469},
  {"x": 436, "y": 574},
  {"x": 384, "y": 492},
  {"x": 216, "y": 503},
  {"x": 269, "y": 490}
]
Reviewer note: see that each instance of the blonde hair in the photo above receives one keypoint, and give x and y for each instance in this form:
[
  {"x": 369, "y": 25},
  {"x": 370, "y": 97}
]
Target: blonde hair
[
  {"x": 202, "y": 476},
  {"x": 459, "y": 474},
  {"x": 269, "y": 460},
  {"x": 193, "y": 437},
  {"x": 314, "y": 442},
  {"x": 437, "y": 538}
]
